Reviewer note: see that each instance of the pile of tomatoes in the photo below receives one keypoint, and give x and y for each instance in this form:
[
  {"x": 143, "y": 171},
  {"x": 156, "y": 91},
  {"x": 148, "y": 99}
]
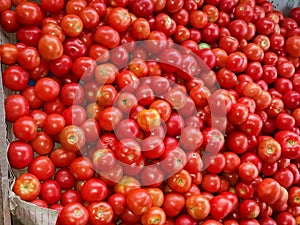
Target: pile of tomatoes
[{"x": 154, "y": 112}]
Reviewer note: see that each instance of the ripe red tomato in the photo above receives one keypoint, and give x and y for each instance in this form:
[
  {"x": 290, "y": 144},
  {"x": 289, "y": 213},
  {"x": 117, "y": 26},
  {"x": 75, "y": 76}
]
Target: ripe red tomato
[
  {"x": 139, "y": 201},
  {"x": 50, "y": 192},
  {"x": 197, "y": 206},
  {"x": 173, "y": 204},
  {"x": 50, "y": 47},
  {"x": 94, "y": 190},
  {"x": 74, "y": 213},
  {"x": 42, "y": 167}
]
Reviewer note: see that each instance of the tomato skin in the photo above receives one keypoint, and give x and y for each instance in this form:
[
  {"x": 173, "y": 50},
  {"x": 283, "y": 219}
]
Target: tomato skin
[
  {"x": 27, "y": 187},
  {"x": 65, "y": 178},
  {"x": 20, "y": 154},
  {"x": 268, "y": 190},
  {"x": 53, "y": 5},
  {"x": 29, "y": 13},
  {"x": 94, "y": 190},
  {"x": 16, "y": 106},
  {"x": 15, "y": 78},
  {"x": 50, "y": 192},
  {"x": 291, "y": 46},
  {"x": 269, "y": 150},
  {"x": 289, "y": 142},
  {"x": 42, "y": 167},
  {"x": 198, "y": 206},
  {"x": 25, "y": 128},
  {"x": 139, "y": 201},
  {"x": 74, "y": 214},
  {"x": 72, "y": 138},
  {"x": 9, "y": 21},
  {"x": 154, "y": 215},
  {"x": 107, "y": 36},
  {"x": 220, "y": 207},
  {"x": 118, "y": 203},
  {"x": 173, "y": 204},
  {"x": 50, "y": 47},
  {"x": 82, "y": 168},
  {"x": 102, "y": 208}
]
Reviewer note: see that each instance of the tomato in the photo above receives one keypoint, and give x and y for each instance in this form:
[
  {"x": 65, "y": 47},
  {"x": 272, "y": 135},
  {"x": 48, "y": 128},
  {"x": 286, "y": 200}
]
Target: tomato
[
  {"x": 152, "y": 176},
  {"x": 180, "y": 182},
  {"x": 268, "y": 190},
  {"x": 269, "y": 150},
  {"x": 50, "y": 192},
  {"x": 197, "y": 206},
  {"x": 72, "y": 138},
  {"x": 65, "y": 178},
  {"x": 139, "y": 201},
  {"x": 42, "y": 167},
  {"x": 82, "y": 168},
  {"x": 16, "y": 106},
  {"x": 9, "y": 21},
  {"x": 285, "y": 218},
  {"x": 157, "y": 196},
  {"x": 220, "y": 207},
  {"x": 94, "y": 190},
  {"x": 238, "y": 28},
  {"x": 289, "y": 143},
  {"x": 127, "y": 184},
  {"x": 20, "y": 154},
  {"x": 154, "y": 215},
  {"x": 173, "y": 159},
  {"x": 29, "y": 13},
  {"x": 153, "y": 147},
  {"x": 107, "y": 36},
  {"x": 142, "y": 8},
  {"x": 89, "y": 17},
  {"x": 100, "y": 212},
  {"x": 52, "y": 6},
  {"x": 69, "y": 196},
  {"x": 198, "y": 19},
  {"x": 74, "y": 213},
  {"x": 236, "y": 62},
  {"x": 50, "y": 47},
  {"x": 27, "y": 187},
  {"x": 173, "y": 204},
  {"x": 191, "y": 139},
  {"x": 247, "y": 171},
  {"x": 118, "y": 203},
  {"x": 103, "y": 159},
  {"x": 15, "y": 78}
]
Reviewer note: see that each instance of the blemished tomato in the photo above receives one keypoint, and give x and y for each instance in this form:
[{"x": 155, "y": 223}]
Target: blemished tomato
[
  {"x": 100, "y": 212},
  {"x": 27, "y": 186}
]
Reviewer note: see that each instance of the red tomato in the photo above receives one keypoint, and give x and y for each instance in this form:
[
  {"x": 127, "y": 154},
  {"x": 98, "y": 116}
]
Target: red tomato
[
  {"x": 103, "y": 209},
  {"x": 198, "y": 206},
  {"x": 27, "y": 186},
  {"x": 74, "y": 213}
]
